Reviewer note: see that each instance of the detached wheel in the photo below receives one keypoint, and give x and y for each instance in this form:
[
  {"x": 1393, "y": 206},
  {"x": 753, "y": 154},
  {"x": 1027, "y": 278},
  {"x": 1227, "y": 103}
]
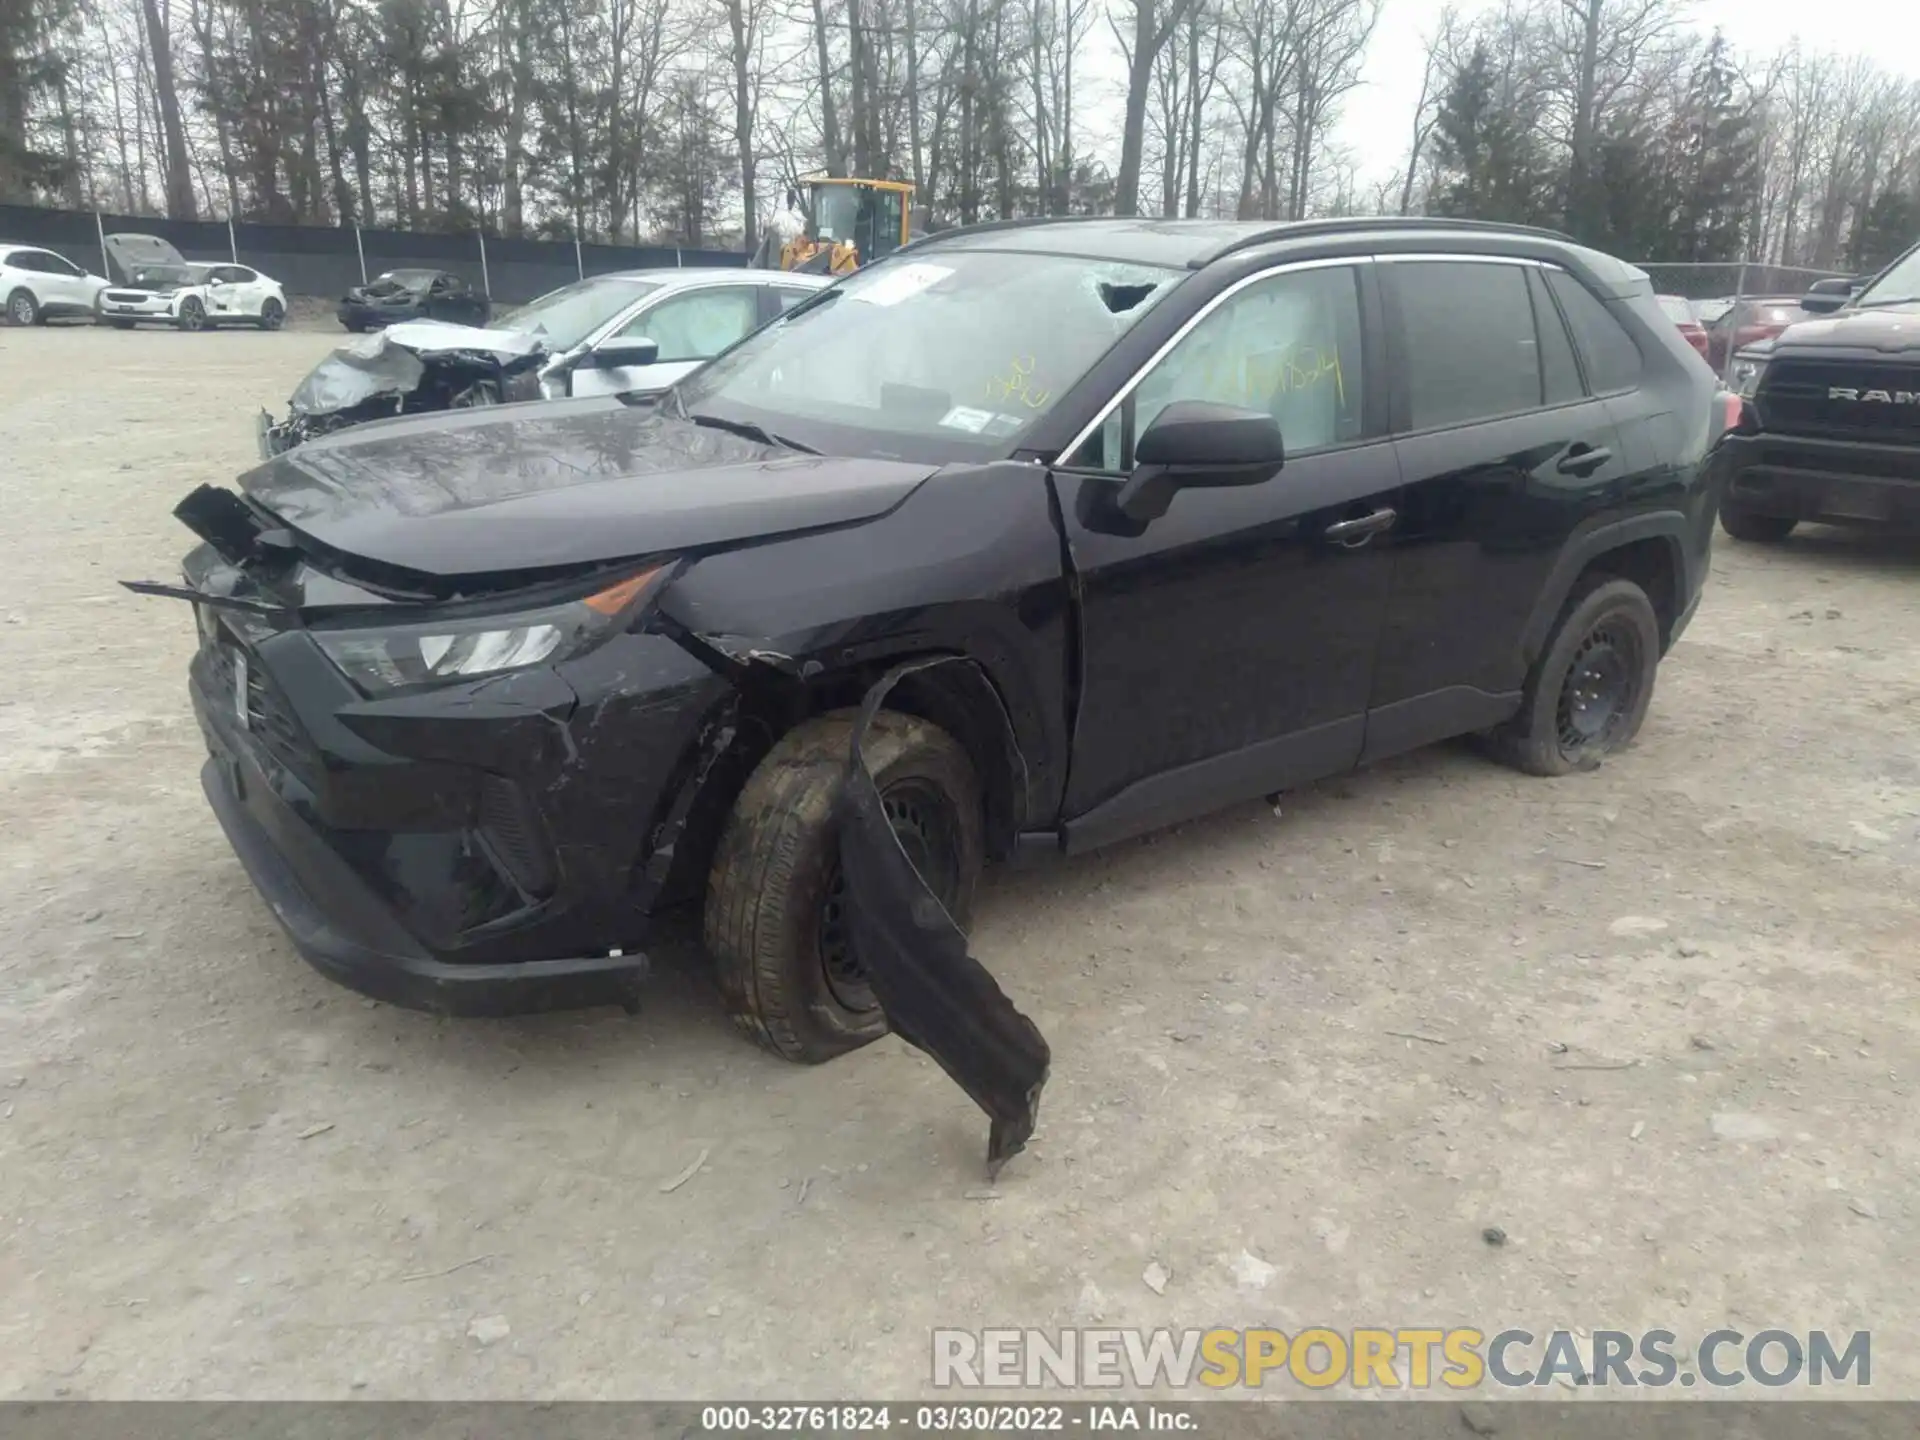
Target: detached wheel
[
  {"x": 1588, "y": 694},
  {"x": 272, "y": 315},
  {"x": 1753, "y": 527},
  {"x": 776, "y": 920},
  {"x": 193, "y": 315},
  {"x": 22, "y": 308}
]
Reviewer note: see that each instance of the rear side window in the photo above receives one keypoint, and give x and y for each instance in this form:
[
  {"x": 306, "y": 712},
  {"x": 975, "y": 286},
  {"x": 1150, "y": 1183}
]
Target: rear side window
[
  {"x": 1613, "y": 360},
  {"x": 1560, "y": 374},
  {"x": 1467, "y": 340}
]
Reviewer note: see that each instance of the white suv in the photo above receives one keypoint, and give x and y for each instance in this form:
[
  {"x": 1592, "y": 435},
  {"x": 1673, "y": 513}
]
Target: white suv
[
  {"x": 195, "y": 296},
  {"x": 36, "y": 285}
]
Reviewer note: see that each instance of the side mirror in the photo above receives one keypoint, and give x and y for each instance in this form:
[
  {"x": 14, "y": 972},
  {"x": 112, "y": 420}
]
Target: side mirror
[
  {"x": 1198, "y": 443},
  {"x": 620, "y": 352},
  {"x": 1822, "y": 302}
]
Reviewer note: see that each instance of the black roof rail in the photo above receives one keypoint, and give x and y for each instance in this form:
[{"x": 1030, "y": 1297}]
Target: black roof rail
[{"x": 1296, "y": 229}]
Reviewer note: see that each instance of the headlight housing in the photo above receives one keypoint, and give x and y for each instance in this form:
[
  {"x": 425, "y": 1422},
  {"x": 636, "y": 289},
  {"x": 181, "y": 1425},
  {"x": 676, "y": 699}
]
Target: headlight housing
[
  {"x": 1748, "y": 368},
  {"x": 461, "y": 647}
]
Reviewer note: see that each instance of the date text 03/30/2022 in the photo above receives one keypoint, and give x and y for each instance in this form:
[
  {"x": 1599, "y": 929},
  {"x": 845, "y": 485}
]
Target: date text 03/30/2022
[{"x": 938, "y": 1419}]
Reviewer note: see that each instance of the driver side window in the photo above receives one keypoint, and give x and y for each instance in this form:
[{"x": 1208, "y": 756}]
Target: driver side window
[
  {"x": 1288, "y": 344},
  {"x": 699, "y": 324}
]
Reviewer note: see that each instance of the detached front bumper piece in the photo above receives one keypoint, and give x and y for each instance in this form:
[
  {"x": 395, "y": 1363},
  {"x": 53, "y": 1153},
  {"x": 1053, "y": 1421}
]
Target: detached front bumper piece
[{"x": 937, "y": 997}]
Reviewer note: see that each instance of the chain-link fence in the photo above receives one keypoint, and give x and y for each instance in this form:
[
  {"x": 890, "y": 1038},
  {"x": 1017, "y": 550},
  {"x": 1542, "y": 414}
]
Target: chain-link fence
[{"x": 1737, "y": 302}]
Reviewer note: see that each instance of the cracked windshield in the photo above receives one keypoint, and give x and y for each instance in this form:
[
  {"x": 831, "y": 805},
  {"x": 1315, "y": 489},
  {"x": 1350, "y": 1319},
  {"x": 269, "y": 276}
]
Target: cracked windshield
[{"x": 972, "y": 348}]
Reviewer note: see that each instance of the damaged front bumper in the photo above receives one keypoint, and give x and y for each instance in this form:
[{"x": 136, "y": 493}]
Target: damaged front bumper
[{"x": 478, "y": 849}]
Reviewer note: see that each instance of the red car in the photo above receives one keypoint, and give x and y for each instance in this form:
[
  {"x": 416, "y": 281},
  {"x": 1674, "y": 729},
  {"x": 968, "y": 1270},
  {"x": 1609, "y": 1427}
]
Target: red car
[
  {"x": 1753, "y": 318},
  {"x": 1680, "y": 311}
]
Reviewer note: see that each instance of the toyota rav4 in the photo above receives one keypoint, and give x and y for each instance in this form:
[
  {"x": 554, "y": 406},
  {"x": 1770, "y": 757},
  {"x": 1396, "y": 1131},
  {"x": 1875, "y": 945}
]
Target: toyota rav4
[{"x": 1204, "y": 511}]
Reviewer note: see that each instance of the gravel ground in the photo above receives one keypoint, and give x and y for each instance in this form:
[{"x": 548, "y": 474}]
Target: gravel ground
[{"x": 1658, "y": 1023}]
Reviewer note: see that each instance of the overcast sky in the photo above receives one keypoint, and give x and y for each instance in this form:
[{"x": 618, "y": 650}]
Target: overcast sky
[{"x": 1376, "y": 122}]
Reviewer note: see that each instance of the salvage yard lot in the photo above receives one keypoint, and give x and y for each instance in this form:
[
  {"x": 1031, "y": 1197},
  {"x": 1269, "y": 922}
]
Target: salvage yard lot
[{"x": 1660, "y": 1024}]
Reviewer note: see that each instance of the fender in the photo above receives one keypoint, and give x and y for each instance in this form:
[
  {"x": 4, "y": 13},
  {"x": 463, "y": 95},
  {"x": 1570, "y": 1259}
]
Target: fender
[{"x": 1583, "y": 547}]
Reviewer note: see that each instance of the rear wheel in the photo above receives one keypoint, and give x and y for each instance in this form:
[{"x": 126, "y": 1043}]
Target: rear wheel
[
  {"x": 22, "y": 308},
  {"x": 193, "y": 315},
  {"x": 1587, "y": 696},
  {"x": 776, "y": 920},
  {"x": 272, "y": 314},
  {"x": 1753, "y": 527}
]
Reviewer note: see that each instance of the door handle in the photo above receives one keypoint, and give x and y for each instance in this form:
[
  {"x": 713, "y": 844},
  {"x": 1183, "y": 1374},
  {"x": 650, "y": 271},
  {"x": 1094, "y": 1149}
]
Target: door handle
[
  {"x": 1362, "y": 528},
  {"x": 1583, "y": 460}
]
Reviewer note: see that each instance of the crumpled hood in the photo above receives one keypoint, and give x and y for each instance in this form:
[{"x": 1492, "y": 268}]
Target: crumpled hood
[
  {"x": 468, "y": 493},
  {"x": 1891, "y": 330},
  {"x": 435, "y": 337},
  {"x": 389, "y": 362}
]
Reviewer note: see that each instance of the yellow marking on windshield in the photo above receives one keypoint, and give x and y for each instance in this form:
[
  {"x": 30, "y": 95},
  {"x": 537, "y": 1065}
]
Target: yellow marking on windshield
[{"x": 1017, "y": 384}]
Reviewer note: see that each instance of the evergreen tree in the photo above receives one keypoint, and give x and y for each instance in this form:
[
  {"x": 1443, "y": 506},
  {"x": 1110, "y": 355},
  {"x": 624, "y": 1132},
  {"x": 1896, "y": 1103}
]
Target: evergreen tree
[
  {"x": 1490, "y": 156},
  {"x": 1892, "y": 225},
  {"x": 1715, "y": 161}
]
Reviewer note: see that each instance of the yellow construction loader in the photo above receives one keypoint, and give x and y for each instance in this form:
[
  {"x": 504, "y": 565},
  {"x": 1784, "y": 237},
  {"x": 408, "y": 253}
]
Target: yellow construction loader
[{"x": 850, "y": 223}]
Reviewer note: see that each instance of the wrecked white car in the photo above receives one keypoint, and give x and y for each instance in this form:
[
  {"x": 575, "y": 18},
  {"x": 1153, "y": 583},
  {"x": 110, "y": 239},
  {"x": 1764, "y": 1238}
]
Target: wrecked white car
[{"x": 632, "y": 333}]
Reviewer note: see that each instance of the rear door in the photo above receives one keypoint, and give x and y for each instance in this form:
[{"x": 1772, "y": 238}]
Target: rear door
[
  {"x": 1503, "y": 451},
  {"x": 689, "y": 326}
]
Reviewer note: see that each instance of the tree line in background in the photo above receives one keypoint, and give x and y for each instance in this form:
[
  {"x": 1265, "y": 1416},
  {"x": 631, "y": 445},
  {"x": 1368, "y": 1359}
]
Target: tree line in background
[{"x": 684, "y": 120}]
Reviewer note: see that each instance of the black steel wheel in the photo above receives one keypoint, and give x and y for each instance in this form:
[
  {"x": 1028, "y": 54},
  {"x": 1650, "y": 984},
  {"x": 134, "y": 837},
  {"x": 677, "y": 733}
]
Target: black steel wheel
[
  {"x": 1587, "y": 695},
  {"x": 1597, "y": 695},
  {"x": 272, "y": 314}
]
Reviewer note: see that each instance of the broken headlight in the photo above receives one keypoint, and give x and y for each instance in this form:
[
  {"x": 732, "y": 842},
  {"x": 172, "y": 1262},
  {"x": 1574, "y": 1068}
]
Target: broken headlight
[
  {"x": 1744, "y": 378},
  {"x": 460, "y": 648}
]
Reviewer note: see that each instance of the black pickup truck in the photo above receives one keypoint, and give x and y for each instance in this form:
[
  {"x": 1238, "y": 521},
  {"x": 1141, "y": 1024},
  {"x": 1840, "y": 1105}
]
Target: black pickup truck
[{"x": 1831, "y": 430}]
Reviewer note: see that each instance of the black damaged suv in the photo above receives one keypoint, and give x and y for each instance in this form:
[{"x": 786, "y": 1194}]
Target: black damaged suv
[
  {"x": 1211, "y": 509},
  {"x": 1831, "y": 430}
]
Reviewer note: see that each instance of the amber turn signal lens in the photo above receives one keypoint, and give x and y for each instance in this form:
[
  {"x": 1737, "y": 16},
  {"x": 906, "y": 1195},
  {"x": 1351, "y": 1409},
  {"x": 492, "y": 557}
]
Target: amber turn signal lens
[{"x": 616, "y": 598}]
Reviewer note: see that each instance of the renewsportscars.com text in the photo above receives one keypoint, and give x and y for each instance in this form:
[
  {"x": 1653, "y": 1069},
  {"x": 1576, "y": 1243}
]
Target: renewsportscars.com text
[{"x": 1396, "y": 1359}]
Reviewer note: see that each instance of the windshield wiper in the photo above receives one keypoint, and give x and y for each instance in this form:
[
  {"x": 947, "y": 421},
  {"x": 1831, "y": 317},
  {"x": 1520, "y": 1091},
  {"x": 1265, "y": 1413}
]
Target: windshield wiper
[{"x": 748, "y": 430}]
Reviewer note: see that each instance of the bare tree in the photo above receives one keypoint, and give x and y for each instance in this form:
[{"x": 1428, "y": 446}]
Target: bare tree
[{"x": 1152, "y": 25}]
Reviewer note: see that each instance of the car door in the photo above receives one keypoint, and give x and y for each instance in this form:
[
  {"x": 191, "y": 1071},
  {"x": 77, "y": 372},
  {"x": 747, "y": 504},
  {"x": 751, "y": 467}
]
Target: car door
[
  {"x": 689, "y": 326},
  {"x": 227, "y": 290},
  {"x": 1227, "y": 646},
  {"x": 57, "y": 283},
  {"x": 1502, "y": 450}
]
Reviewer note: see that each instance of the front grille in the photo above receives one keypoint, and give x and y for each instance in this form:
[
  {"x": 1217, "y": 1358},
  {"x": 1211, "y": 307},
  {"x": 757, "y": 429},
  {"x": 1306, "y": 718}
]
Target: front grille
[
  {"x": 128, "y": 297},
  {"x": 1796, "y": 398},
  {"x": 269, "y": 718}
]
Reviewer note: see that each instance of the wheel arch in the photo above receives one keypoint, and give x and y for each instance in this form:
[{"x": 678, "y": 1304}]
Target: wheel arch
[
  {"x": 963, "y": 698},
  {"x": 1649, "y": 549}
]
